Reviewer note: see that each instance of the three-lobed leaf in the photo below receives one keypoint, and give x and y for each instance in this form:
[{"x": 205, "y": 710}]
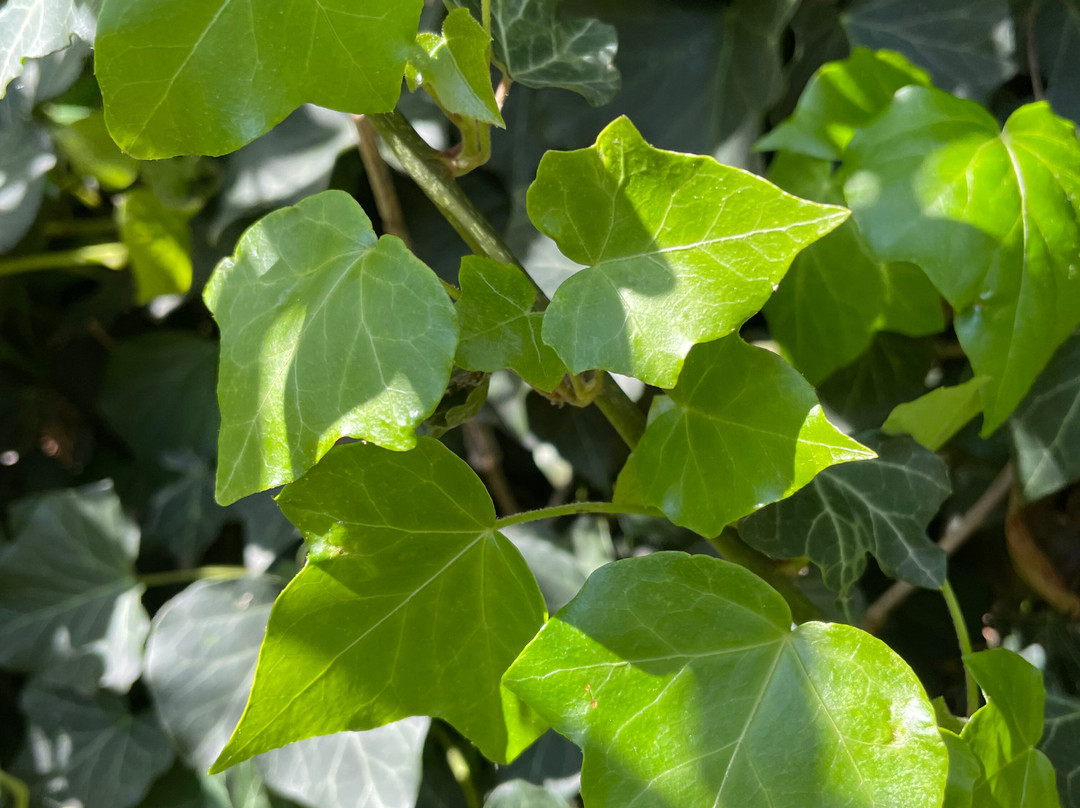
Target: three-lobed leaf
[
  {"x": 678, "y": 250},
  {"x": 1008, "y": 264},
  {"x": 326, "y": 332},
  {"x": 740, "y": 430},
  {"x": 411, "y": 603},
  {"x": 676, "y": 673}
]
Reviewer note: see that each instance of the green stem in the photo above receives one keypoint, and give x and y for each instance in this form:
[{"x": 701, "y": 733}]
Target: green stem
[
  {"x": 621, "y": 412},
  {"x": 223, "y": 573},
  {"x": 112, "y": 255},
  {"x": 458, "y": 765},
  {"x": 571, "y": 509},
  {"x": 485, "y": 16},
  {"x": 962, "y": 635},
  {"x": 20, "y": 792}
]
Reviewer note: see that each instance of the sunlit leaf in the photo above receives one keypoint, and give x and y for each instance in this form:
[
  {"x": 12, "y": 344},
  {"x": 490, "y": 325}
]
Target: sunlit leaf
[
  {"x": 31, "y": 28},
  {"x": 934, "y": 418},
  {"x": 159, "y": 245}
]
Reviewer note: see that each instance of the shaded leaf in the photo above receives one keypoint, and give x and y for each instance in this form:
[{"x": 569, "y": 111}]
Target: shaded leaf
[
  {"x": 881, "y": 507},
  {"x": 203, "y": 77},
  {"x": 838, "y": 294},
  {"x": 182, "y": 517},
  {"x": 32, "y": 28},
  {"x": 966, "y": 45},
  {"x": 26, "y": 154},
  {"x": 89, "y": 148},
  {"x": 404, "y": 552},
  {"x": 673, "y": 672},
  {"x": 679, "y": 250},
  {"x": 159, "y": 245},
  {"x": 841, "y": 97},
  {"x": 583, "y": 436},
  {"x": 326, "y": 332},
  {"x": 1061, "y": 743},
  {"x": 742, "y": 429},
  {"x": 499, "y": 328},
  {"x": 68, "y": 585},
  {"x": 1007, "y": 266},
  {"x": 934, "y": 418},
  {"x": 522, "y": 794},
  {"x": 1045, "y": 429},
  {"x": 90, "y": 752}
]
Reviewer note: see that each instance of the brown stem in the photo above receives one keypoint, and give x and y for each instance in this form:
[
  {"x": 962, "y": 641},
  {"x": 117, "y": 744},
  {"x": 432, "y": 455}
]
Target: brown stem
[
  {"x": 382, "y": 183},
  {"x": 483, "y": 453}
]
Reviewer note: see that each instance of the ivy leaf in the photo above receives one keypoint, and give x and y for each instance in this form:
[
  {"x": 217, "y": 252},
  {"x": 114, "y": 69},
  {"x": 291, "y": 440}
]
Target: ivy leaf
[
  {"x": 68, "y": 585},
  {"x": 540, "y": 49},
  {"x": 841, "y": 97},
  {"x": 159, "y": 243},
  {"x": 455, "y": 68},
  {"x": 1008, "y": 266},
  {"x": 967, "y": 45},
  {"x": 499, "y": 328},
  {"x": 1003, "y": 733},
  {"x": 933, "y": 419},
  {"x": 87, "y": 146},
  {"x": 1061, "y": 743},
  {"x": 326, "y": 332},
  {"x": 411, "y": 604},
  {"x": 679, "y": 250},
  {"x": 200, "y": 660},
  {"x": 33, "y": 28},
  {"x": 881, "y": 506},
  {"x": 90, "y": 751},
  {"x": 1045, "y": 429},
  {"x": 964, "y": 771},
  {"x": 838, "y": 294},
  {"x": 205, "y": 77},
  {"x": 673, "y": 672},
  {"x": 26, "y": 155},
  {"x": 740, "y": 430}
]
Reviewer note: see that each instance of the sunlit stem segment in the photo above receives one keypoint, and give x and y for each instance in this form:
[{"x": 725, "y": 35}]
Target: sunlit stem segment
[
  {"x": 222, "y": 573},
  {"x": 965, "y": 644},
  {"x": 112, "y": 255},
  {"x": 20, "y": 793},
  {"x": 571, "y": 509}
]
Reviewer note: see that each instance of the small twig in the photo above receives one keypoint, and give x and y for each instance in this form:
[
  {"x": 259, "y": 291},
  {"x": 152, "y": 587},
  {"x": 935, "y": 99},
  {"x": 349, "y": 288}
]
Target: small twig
[
  {"x": 1033, "y": 53},
  {"x": 483, "y": 453},
  {"x": 382, "y": 182},
  {"x": 878, "y": 613}
]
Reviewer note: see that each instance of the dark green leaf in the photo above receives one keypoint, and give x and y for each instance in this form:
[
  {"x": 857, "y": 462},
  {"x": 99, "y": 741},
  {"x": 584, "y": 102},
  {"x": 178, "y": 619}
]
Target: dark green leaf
[
  {"x": 159, "y": 245},
  {"x": 31, "y": 28},
  {"x": 1045, "y": 429},
  {"x": 203, "y": 77},
  {"x": 838, "y": 294},
  {"x": 742, "y": 429},
  {"x": 881, "y": 506},
  {"x": 1061, "y": 744},
  {"x": 674, "y": 672},
  {"x": 182, "y": 518},
  {"x": 660, "y": 233},
  {"x": 934, "y": 418},
  {"x": 1008, "y": 265},
  {"x": 326, "y": 332},
  {"x": 68, "y": 585},
  {"x": 499, "y": 328},
  {"x": 967, "y": 45},
  {"x": 437, "y": 603},
  {"x": 840, "y": 98}
]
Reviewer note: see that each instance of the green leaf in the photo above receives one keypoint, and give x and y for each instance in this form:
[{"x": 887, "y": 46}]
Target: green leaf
[
  {"x": 326, "y": 332},
  {"x": 679, "y": 250},
  {"x": 90, "y": 751},
  {"x": 32, "y": 28},
  {"x": 206, "y": 77},
  {"x": 934, "y": 418},
  {"x": 1015, "y": 687},
  {"x": 539, "y": 48},
  {"x": 742, "y": 429},
  {"x": 159, "y": 243},
  {"x": 499, "y": 328},
  {"x": 964, "y": 771},
  {"x": 840, "y": 98},
  {"x": 1061, "y": 743},
  {"x": 838, "y": 294},
  {"x": 411, "y": 604},
  {"x": 200, "y": 660},
  {"x": 881, "y": 506},
  {"x": 68, "y": 586},
  {"x": 674, "y": 672},
  {"x": 1008, "y": 265},
  {"x": 967, "y": 45},
  {"x": 1045, "y": 429},
  {"x": 92, "y": 153},
  {"x": 455, "y": 68},
  {"x": 26, "y": 155}
]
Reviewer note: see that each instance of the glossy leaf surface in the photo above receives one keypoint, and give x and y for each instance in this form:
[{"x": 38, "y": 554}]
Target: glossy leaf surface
[
  {"x": 838, "y": 294},
  {"x": 437, "y": 604},
  {"x": 499, "y": 328},
  {"x": 32, "y": 28},
  {"x": 740, "y": 430},
  {"x": 1045, "y": 430},
  {"x": 679, "y": 250},
  {"x": 326, "y": 332},
  {"x": 206, "y": 77},
  {"x": 881, "y": 507},
  {"x": 840, "y": 98},
  {"x": 673, "y": 672},
  {"x": 1008, "y": 265},
  {"x": 68, "y": 588}
]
